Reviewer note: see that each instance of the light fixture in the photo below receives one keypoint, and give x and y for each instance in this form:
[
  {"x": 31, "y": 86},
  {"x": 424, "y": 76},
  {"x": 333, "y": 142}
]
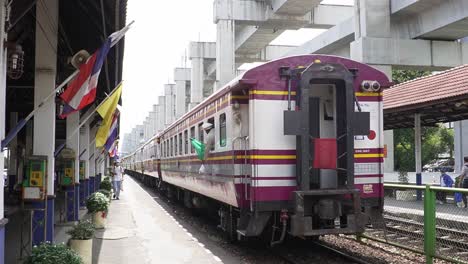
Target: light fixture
[{"x": 15, "y": 55}]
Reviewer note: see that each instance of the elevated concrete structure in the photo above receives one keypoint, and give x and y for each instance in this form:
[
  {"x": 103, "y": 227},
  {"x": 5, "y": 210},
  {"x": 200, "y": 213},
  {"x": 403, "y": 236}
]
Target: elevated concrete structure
[{"x": 182, "y": 90}]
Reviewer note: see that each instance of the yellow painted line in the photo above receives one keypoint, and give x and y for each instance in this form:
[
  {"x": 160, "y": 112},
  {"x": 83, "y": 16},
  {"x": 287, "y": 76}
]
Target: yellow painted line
[
  {"x": 271, "y": 92},
  {"x": 240, "y": 97},
  {"x": 368, "y": 94},
  {"x": 371, "y": 155}
]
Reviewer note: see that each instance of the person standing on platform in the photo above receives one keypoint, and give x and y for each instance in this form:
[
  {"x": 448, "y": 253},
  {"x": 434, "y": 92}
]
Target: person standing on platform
[
  {"x": 445, "y": 181},
  {"x": 463, "y": 183},
  {"x": 117, "y": 179}
]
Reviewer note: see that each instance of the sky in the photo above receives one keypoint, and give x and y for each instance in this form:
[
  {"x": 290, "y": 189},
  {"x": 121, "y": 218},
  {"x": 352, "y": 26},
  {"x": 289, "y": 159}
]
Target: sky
[{"x": 157, "y": 43}]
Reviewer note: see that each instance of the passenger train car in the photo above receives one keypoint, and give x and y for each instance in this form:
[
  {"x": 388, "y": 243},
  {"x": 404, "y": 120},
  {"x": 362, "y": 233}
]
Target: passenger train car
[{"x": 299, "y": 150}]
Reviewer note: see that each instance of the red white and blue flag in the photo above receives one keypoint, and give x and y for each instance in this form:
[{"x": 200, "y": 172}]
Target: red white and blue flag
[{"x": 82, "y": 90}]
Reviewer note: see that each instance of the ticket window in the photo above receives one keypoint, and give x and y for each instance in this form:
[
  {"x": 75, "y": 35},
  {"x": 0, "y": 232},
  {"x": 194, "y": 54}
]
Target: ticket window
[
  {"x": 68, "y": 172},
  {"x": 35, "y": 182}
]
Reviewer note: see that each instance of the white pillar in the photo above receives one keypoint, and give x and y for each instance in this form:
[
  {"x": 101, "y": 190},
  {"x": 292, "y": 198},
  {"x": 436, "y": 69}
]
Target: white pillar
[
  {"x": 181, "y": 78},
  {"x": 161, "y": 113},
  {"x": 85, "y": 149},
  {"x": 372, "y": 19},
  {"x": 44, "y": 82},
  {"x": 169, "y": 96},
  {"x": 225, "y": 52},
  {"x": 196, "y": 88},
  {"x": 13, "y": 147},
  {"x": 92, "y": 151},
  {"x": 73, "y": 140},
  {"x": 2, "y": 116},
  {"x": 389, "y": 161}
]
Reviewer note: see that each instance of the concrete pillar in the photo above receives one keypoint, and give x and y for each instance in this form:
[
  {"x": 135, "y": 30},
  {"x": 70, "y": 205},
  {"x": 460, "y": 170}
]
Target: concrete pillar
[
  {"x": 73, "y": 142},
  {"x": 3, "y": 220},
  {"x": 389, "y": 161},
  {"x": 44, "y": 120},
  {"x": 85, "y": 152},
  {"x": 169, "y": 97},
  {"x": 196, "y": 89},
  {"x": 461, "y": 144},
  {"x": 92, "y": 159},
  {"x": 161, "y": 113},
  {"x": 225, "y": 51},
  {"x": 372, "y": 19},
  {"x": 417, "y": 151},
  {"x": 181, "y": 78}
]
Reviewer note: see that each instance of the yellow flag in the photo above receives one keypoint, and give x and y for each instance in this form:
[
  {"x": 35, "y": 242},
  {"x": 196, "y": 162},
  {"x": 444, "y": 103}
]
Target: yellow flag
[{"x": 106, "y": 110}]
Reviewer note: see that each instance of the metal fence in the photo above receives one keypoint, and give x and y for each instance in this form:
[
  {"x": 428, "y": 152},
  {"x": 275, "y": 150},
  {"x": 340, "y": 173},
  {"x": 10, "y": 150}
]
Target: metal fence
[{"x": 427, "y": 219}]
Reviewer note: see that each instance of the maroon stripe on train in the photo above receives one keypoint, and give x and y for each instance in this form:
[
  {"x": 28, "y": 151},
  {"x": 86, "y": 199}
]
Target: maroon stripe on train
[
  {"x": 273, "y": 152},
  {"x": 280, "y": 193},
  {"x": 368, "y": 160},
  {"x": 274, "y": 178},
  {"x": 369, "y": 151},
  {"x": 369, "y": 98}
]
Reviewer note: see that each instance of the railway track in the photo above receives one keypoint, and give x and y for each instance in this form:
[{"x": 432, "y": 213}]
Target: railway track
[
  {"x": 316, "y": 252},
  {"x": 411, "y": 233}
]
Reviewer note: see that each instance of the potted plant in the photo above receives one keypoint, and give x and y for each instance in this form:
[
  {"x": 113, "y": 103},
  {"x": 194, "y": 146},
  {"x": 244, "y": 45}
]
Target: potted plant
[
  {"x": 81, "y": 240},
  {"x": 106, "y": 184},
  {"x": 107, "y": 193},
  {"x": 47, "y": 253},
  {"x": 98, "y": 204}
]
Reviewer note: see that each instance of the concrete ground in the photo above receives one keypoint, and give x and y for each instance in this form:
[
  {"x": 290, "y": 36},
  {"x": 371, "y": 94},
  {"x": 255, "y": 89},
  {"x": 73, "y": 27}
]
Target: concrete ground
[{"x": 139, "y": 230}]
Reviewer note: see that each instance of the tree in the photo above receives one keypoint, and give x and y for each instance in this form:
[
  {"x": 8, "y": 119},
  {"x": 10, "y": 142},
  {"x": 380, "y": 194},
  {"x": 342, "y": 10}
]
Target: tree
[{"x": 435, "y": 140}]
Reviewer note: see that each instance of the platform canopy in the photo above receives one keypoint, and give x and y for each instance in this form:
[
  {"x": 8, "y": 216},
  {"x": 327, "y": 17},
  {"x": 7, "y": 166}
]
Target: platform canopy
[
  {"x": 438, "y": 98},
  {"x": 82, "y": 25}
]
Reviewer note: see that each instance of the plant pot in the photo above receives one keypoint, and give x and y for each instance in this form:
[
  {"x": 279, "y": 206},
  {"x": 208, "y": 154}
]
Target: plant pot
[
  {"x": 406, "y": 195},
  {"x": 99, "y": 219},
  {"x": 84, "y": 248}
]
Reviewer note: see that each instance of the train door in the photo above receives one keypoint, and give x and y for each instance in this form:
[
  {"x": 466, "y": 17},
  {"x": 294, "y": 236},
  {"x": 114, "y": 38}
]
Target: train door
[{"x": 240, "y": 147}]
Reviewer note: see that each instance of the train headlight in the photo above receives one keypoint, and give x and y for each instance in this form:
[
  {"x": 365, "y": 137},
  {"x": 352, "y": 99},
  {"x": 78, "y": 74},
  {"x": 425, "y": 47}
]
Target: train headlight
[
  {"x": 375, "y": 86},
  {"x": 236, "y": 105},
  {"x": 366, "y": 86}
]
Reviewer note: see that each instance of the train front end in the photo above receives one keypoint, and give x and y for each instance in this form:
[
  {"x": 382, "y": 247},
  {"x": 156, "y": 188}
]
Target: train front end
[{"x": 337, "y": 121}]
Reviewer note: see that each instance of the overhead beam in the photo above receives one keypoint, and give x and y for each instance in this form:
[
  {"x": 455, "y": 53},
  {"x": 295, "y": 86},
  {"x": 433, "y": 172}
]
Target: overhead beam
[
  {"x": 330, "y": 40},
  {"x": 297, "y": 7},
  {"x": 443, "y": 20},
  {"x": 407, "y": 53}
]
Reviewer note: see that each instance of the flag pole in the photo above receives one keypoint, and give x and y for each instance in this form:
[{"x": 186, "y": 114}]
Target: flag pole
[{"x": 12, "y": 134}]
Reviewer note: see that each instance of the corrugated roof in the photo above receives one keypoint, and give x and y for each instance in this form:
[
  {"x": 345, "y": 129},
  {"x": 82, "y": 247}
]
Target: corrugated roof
[{"x": 431, "y": 89}]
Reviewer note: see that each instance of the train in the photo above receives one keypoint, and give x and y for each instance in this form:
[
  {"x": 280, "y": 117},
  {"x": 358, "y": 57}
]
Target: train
[{"x": 298, "y": 150}]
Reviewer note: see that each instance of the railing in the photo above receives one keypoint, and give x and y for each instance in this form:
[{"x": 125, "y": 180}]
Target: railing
[{"x": 436, "y": 225}]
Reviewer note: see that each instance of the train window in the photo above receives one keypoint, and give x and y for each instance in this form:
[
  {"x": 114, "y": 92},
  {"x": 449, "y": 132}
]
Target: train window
[
  {"x": 212, "y": 121},
  {"x": 222, "y": 130},
  {"x": 180, "y": 144},
  {"x": 192, "y": 135},
  {"x": 186, "y": 141},
  {"x": 171, "y": 148},
  {"x": 200, "y": 132},
  {"x": 175, "y": 145}
]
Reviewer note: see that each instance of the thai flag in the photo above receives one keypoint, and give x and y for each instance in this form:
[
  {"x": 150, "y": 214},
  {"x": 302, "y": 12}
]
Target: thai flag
[
  {"x": 82, "y": 90},
  {"x": 113, "y": 132}
]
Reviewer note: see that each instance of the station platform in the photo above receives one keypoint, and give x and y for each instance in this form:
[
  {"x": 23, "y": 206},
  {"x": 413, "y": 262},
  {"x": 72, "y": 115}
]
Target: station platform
[
  {"x": 447, "y": 211},
  {"x": 139, "y": 230}
]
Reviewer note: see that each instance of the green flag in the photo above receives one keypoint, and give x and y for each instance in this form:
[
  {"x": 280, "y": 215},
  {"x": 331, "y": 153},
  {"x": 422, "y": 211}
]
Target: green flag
[{"x": 199, "y": 148}]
